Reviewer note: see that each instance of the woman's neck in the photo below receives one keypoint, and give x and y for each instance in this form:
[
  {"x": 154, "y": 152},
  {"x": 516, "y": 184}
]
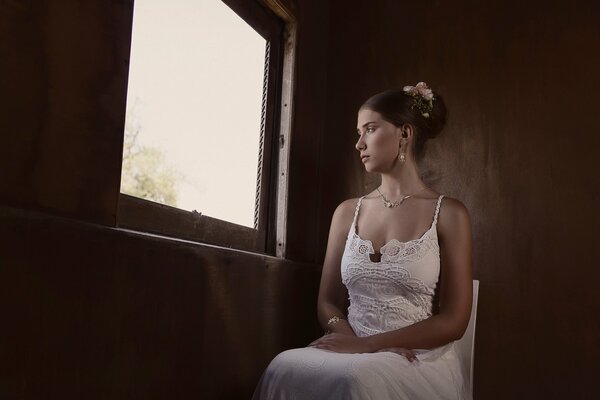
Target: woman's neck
[{"x": 403, "y": 180}]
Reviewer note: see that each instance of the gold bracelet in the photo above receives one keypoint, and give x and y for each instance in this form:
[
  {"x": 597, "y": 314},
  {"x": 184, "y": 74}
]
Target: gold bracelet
[{"x": 333, "y": 320}]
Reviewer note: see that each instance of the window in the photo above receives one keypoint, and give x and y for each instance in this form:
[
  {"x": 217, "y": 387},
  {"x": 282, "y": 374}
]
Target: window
[{"x": 201, "y": 157}]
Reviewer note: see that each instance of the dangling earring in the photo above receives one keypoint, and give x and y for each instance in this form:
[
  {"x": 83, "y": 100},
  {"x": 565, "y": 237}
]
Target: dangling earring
[{"x": 402, "y": 155}]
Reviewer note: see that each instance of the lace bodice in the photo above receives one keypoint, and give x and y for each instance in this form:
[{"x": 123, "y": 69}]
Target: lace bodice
[{"x": 396, "y": 291}]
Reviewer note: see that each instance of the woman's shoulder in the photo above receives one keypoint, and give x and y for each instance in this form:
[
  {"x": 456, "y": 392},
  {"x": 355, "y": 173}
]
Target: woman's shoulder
[
  {"x": 453, "y": 214},
  {"x": 347, "y": 207},
  {"x": 343, "y": 216},
  {"x": 452, "y": 206}
]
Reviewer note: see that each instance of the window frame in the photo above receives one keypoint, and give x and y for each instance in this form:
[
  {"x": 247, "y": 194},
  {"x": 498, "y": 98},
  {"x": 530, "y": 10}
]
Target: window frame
[{"x": 138, "y": 214}]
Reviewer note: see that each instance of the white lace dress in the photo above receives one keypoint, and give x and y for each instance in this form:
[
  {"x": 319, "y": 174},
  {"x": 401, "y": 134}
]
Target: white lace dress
[{"x": 387, "y": 295}]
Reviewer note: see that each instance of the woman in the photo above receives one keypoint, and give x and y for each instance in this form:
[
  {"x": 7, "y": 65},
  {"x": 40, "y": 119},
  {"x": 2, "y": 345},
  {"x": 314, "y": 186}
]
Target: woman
[{"x": 387, "y": 252}]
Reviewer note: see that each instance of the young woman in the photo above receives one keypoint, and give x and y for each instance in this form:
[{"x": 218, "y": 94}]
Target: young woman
[{"x": 402, "y": 256}]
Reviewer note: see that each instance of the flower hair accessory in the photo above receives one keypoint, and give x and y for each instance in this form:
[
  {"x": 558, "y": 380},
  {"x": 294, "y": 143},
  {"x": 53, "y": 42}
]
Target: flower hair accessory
[{"x": 423, "y": 98}]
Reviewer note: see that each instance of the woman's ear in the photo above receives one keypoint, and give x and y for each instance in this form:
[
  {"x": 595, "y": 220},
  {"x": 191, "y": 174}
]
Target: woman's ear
[{"x": 406, "y": 131}]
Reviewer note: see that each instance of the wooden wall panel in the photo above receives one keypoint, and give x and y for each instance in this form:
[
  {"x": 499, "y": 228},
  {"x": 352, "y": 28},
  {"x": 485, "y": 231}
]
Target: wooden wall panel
[
  {"x": 63, "y": 79},
  {"x": 303, "y": 219},
  {"x": 97, "y": 313}
]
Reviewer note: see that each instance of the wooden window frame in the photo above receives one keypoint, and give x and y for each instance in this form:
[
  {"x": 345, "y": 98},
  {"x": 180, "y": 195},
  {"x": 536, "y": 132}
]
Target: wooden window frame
[{"x": 266, "y": 237}]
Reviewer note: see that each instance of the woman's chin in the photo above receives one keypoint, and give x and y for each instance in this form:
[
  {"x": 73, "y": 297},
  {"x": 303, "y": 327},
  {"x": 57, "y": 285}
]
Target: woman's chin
[{"x": 371, "y": 168}]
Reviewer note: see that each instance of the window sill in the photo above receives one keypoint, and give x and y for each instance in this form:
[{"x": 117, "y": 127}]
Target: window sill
[{"x": 143, "y": 216}]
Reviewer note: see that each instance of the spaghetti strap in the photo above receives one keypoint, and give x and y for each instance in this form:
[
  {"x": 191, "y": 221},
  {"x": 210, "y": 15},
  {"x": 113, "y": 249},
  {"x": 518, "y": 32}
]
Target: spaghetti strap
[
  {"x": 356, "y": 211},
  {"x": 437, "y": 209}
]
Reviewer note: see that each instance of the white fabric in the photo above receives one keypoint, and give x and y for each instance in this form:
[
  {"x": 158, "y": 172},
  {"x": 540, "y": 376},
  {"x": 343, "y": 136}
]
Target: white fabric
[
  {"x": 465, "y": 346},
  {"x": 386, "y": 295}
]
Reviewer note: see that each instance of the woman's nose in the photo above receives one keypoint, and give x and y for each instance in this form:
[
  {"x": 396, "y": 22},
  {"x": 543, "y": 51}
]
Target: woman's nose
[{"x": 360, "y": 144}]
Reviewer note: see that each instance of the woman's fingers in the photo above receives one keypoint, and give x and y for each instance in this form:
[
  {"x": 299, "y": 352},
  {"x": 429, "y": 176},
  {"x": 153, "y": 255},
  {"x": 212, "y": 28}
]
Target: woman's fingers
[
  {"x": 408, "y": 354},
  {"x": 333, "y": 342},
  {"x": 316, "y": 343},
  {"x": 323, "y": 346}
]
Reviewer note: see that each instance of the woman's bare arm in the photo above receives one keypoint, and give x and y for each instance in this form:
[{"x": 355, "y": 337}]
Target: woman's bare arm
[{"x": 332, "y": 292}]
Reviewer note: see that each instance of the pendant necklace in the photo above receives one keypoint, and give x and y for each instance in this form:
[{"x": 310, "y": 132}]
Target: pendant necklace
[{"x": 390, "y": 204}]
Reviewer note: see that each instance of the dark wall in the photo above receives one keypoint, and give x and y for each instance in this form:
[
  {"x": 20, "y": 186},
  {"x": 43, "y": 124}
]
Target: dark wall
[
  {"x": 310, "y": 123},
  {"x": 63, "y": 82},
  {"x": 102, "y": 313},
  {"x": 520, "y": 80},
  {"x": 90, "y": 311}
]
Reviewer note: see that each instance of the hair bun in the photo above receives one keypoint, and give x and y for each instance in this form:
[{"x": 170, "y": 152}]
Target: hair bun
[{"x": 436, "y": 121}]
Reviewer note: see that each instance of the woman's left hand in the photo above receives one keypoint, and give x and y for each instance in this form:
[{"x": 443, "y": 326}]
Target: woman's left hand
[{"x": 341, "y": 343}]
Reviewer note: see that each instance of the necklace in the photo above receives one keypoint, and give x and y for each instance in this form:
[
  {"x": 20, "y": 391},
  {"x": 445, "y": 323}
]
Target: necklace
[{"x": 390, "y": 204}]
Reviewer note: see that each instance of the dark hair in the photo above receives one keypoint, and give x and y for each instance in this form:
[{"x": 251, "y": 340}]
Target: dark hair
[{"x": 396, "y": 107}]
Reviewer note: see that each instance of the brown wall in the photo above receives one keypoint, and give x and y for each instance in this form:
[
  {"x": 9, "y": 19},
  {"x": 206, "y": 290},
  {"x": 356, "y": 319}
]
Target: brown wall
[
  {"x": 101, "y": 313},
  {"x": 521, "y": 83},
  {"x": 63, "y": 80}
]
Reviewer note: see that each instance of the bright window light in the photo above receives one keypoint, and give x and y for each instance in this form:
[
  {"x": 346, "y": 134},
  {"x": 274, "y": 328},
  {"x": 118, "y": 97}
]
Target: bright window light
[{"x": 194, "y": 108}]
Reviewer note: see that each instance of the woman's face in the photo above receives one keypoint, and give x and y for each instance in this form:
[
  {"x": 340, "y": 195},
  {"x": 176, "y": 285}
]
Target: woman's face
[{"x": 378, "y": 142}]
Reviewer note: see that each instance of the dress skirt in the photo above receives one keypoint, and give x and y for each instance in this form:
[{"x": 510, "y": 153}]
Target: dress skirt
[{"x": 315, "y": 374}]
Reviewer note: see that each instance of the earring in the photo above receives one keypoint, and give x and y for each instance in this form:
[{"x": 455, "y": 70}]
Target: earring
[{"x": 402, "y": 155}]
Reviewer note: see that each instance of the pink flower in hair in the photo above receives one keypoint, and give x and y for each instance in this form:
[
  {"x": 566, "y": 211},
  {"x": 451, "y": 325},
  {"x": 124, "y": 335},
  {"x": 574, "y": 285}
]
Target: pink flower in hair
[
  {"x": 424, "y": 90},
  {"x": 421, "y": 89},
  {"x": 422, "y": 98}
]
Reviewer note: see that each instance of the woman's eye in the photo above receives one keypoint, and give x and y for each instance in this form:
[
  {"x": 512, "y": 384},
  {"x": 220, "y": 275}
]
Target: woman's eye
[{"x": 370, "y": 129}]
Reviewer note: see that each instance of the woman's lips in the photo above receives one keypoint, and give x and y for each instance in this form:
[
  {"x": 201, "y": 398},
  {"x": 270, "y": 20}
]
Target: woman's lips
[{"x": 364, "y": 158}]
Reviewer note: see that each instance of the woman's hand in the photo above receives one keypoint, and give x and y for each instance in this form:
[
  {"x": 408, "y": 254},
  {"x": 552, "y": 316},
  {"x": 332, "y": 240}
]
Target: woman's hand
[
  {"x": 409, "y": 354},
  {"x": 341, "y": 343}
]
